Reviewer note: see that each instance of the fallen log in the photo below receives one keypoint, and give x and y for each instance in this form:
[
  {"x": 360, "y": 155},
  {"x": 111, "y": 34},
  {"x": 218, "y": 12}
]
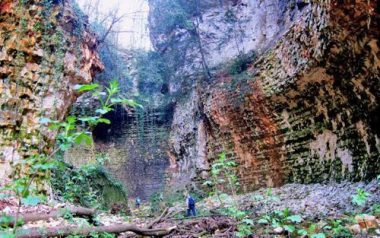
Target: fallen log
[
  {"x": 53, "y": 214},
  {"x": 62, "y": 231},
  {"x": 163, "y": 215}
]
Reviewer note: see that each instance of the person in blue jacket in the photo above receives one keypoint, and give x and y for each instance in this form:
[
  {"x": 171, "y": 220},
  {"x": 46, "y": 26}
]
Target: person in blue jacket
[
  {"x": 138, "y": 202},
  {"x": 190, "y": 202}
]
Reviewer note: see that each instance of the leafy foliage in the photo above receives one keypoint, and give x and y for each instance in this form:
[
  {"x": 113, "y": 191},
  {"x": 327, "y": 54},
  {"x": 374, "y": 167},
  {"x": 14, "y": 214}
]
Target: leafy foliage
[
  {"x": 375, "y": 209},
  {"x": 90, "y": 186},
  {"x": 31, "y": 175},
  {"x": 311, "y": 231},
  {"x": 223, "y": 176},
  {"x": 152, "y": 76},
  {"x": 282, "y": 219},
  {"x": 338, "y": 228},
  {"x": 175, "y": 14},
  {"x": 360, "y": 198}
]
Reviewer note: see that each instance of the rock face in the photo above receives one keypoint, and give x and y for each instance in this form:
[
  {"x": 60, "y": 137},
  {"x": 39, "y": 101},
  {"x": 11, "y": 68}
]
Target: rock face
[
  {"x": 136, "y": 145},
  {"x": 226, "y": 28},
  {"x": 306, "y": 110},
  {"x": 45, "y": 50}
]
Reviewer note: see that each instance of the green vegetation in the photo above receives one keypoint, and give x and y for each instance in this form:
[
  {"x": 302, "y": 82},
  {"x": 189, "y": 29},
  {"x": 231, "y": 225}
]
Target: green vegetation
[
  {"x": 31, "y": 175},
  {"x": 175, "y": 14},
  {"x": 90, "y": 186},
  {"x": 223, "y": 176},
  {"x": 360, "y": 197},
  {"x": 152, "y": 79},
  {"x": 281, "y": 219},
  {"x": 241, "y": 63}
]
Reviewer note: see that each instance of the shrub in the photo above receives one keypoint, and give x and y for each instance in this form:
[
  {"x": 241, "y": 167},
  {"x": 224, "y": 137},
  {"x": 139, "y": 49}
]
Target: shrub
[
  {"x": 241, "y": 63},
  {"x": 89, "y": 186}
]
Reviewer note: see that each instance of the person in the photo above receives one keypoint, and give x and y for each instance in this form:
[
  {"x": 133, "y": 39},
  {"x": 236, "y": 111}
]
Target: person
[
  {"x": 138, "y": 202},
  {"x": 190, "y": 202}
]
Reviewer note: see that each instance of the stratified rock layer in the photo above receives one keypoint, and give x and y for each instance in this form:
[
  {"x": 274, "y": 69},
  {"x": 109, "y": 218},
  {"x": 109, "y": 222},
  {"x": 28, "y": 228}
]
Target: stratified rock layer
[
  {"x": 45, "y": 50},
  {"x": 307, "y": 111}
]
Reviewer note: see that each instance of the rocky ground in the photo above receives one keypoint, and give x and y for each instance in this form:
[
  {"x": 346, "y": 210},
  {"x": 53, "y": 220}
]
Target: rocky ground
[{"x": 314, "y": 203}]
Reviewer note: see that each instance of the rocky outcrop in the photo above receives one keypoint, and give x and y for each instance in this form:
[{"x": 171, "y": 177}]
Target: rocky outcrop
[
  {"x": 305, "y": 111},
  {"x": 221, "y": 30},
  {"x": 45, "y": 50}
]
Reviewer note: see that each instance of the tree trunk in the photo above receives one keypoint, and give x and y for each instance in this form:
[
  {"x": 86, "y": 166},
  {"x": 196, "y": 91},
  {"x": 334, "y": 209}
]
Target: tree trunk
[
  {"x": 62, "y": 231},
  {"x": 56, "y": 213}
]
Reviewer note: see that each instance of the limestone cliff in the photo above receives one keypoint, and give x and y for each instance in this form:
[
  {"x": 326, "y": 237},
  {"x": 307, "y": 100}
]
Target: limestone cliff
[
  {"x": 305, "y": 110},
  {"x": 45, "y": 50}
]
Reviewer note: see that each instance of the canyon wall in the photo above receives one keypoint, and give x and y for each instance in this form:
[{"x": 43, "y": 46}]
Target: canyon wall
[
  {"x": 136, "y": 146},
  {"x": 304, "y": 106},
  {"x": 46, "y": 49}
]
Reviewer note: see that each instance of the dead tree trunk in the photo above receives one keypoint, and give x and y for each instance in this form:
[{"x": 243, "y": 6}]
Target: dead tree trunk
[
  {"x": 56, "y": 213},
  {"x": 62, "y": 231}
]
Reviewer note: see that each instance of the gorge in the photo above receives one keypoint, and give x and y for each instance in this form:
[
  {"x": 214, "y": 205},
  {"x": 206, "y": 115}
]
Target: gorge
[{"x": 279, "y": 94}]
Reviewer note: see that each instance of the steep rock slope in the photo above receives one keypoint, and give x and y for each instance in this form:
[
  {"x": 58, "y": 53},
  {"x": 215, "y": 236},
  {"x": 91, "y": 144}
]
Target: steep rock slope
[
  {"x": 45, "y": 50},
  {"x": 305, "y": 111}
]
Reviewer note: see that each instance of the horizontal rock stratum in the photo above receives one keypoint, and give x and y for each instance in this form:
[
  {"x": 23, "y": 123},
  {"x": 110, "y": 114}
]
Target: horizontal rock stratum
[
  {"x": 45, "y": 50},
  {"x": 306, "y": 110}
]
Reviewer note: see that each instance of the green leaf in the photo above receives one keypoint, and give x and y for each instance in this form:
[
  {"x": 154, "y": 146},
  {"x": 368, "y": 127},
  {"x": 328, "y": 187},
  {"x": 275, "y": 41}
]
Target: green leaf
[
  {"x": 286, "y": 212},
  {"x": 71, "y": 119},
  {"x": 104, "y": 120},
  {"x": 327, "y": 227},
  {"x": 248, "y": 221},
  {"x": 275, "y": 223},
  {"x": 65, "y": 146},
  {"x": 5, "y": 234},
  {"x": 222, "y": 156},
  {"x": 86, "y": 87},
  {"x": 88, "y": 119},
  {"x": 31, "y": 200},
  {"x": 22, "y": 189},
  {"x": 295, "y": 218},
  {"x": 125, "y": 101},
  {"x": 289, "y": 228},
  {"x": 302, "y": 232},
  {"x": 279, "y": 213},
  {"x": 114, "y": 86},
  {"x": 312, "y": 228},
  {"x": 83, "y": 137},
  {"x": 240, "y": 234},
  {"x": 103, "y": 110},
  {"x": 263, "y": 221},
  {"x": 360, "y": 197}
]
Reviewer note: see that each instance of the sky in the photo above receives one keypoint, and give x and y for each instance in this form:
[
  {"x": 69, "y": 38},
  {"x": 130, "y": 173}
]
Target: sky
[{"x": 134, "y": 31}]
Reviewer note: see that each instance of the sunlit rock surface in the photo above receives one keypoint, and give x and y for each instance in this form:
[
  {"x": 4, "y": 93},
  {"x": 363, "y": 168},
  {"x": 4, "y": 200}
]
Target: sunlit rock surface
[
  {"x": 307, "y": 109},
  {"x": 45, "y": 50}
]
